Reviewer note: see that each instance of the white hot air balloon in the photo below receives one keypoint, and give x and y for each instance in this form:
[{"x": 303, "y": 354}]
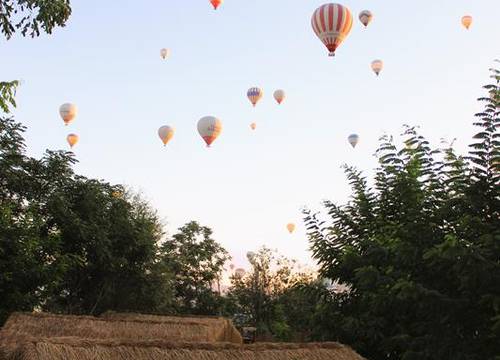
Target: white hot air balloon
[
  {"x": 353, "y": 139},
  {"x": 164, "y": 53},
  {"x": 377, "y": 66},
  {"x": 365, "y": 17},
  {"x": 166, "y": 133},
  {"x": 68, "y": 112},
  {"x": 279, "y": 95},
  {"x": 209, "y": 128}
]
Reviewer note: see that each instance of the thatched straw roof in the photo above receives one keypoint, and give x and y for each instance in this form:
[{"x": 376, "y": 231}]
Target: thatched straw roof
[
  {"x": 225, "y": 330},
  {"x": 88, "y": 327},
  {"x": 77, "y": 349}
]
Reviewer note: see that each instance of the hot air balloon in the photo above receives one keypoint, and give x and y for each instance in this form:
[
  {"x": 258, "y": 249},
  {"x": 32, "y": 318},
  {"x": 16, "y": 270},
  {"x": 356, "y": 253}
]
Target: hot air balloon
[
  {"x": 239, "y": 272},
  {"x": 467, "y": 21},
  {"x": 164, "y": 53},
  {"x": 377, "y": 66},
  {"x": 254, "y": 95},
  {"x": 68, "y": 112},
  {"x": 332, "y": 23},
  {"x": 166, "y": 133},
  {"x": 72, "y": 139},
  {"x": 365, "y": 17},
  {"x": 231, "y": 266},
  {"x": 209, "y": 128},
  {"x": 253, "y": 126},
  {"x": 290, "y": 227},
  {"x": 353, "y": 139},
  {"x": 279, "y": 96},
  {"x": 216, "y": 3}
]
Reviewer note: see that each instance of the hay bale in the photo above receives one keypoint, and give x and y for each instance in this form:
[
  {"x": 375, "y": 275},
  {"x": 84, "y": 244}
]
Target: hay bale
[
  {"x": 88, "y": 327},
  {"x": 77, "y": 349},
  {"x": 224, "y": 330}
]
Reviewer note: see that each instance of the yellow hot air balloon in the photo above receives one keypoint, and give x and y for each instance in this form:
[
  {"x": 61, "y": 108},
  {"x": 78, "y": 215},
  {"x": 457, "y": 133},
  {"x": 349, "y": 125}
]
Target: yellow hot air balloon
[
  {"x": 72, "y": 139},
  {"x": 164, "y": 53},
  {"x": 467, "y": 21},
  {"x": 117, "y": 194},
  {"x": 290, "y": 227},
  {"x": 165, "y": 133},
  {"x": 279, "y": 95},
  {"x": 253, "y": 126},
  {"x": 377, "y": 66},
  {"x": 68, "y": 112}
]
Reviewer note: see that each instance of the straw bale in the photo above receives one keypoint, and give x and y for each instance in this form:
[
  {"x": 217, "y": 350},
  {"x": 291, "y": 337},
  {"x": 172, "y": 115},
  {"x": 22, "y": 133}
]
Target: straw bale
[
  {"x": 88, "y": 327},
  {"x": 224, "y": 329},
  {"x": 78, "y": 349}
]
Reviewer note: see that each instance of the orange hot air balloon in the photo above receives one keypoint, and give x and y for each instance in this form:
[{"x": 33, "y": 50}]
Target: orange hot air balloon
[
  {"x": 165, "y": 133},
  {"x": 253, "y": 126},
  {"x": 467, "y": 21},
  {"x": 216, "y": 3},
  {"x": 72, "y": 139},
  {"x": 290, "y": 227},
  {"x": 332, "y": 23}
]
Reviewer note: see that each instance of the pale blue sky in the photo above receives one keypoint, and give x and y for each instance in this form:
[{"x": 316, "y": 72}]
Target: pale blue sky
[{"x": 249, "y": 184}]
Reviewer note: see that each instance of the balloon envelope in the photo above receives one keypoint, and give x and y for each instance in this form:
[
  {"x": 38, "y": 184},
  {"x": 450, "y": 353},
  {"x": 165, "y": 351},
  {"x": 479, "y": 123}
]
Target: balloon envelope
[
  {"x": 377, "y": 66},
  {"x": 365, "y": 17},
  {"x": 467, "y": 21},
  {"x": 239, "y": 272},
  {"x": 290, "y": 227},
  {"x": 332, "y": 23},
  {"x": 209, "y": 128},
  {"x": 166, "y": 133},
  {"x": 216, "y": 3},
  {"x": 164, "y": 53},
  {"x": 72, "y": 139},
  {"x": 279, "y": 95},
  {"x": 253, "y": 126},
  {"x": 68, "y": 112},
  {"x": 254, "y": 94},
  {"x": 353, "y": 139}
]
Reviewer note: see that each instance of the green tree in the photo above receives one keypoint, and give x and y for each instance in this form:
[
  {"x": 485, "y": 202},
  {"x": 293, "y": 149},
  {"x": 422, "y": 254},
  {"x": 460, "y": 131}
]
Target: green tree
[
  {"x": 31, "y": 17},
  {"x": 197, "y": 261},
  {"x": 419, "y": 251}
]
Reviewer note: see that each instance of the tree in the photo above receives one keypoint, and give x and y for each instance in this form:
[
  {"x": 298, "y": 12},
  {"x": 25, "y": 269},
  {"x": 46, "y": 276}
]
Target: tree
[
  {"x": 31, "y": 17},
  {"x": 266, "y": 295},
  {"x": 197, "y": 261},
  {"x": 419, "y": 251}
]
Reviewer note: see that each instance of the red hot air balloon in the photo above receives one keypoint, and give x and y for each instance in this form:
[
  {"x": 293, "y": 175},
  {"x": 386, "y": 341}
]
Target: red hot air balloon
[
  {"x": 216, "y": 3},
  {"x": 332, "y": 23}
]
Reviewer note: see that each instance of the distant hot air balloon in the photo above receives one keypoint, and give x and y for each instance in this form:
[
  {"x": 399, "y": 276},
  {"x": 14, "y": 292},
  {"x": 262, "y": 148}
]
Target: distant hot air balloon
[
  {"x": 467, "y": 21},
  {"x": 253, "y": 126},
  {"x": 231, "y": 266},
  {"x": 254, "y": 95},
  {"x": 72, "y": 139},
  {"x": 239, "y": 272},
  {"x": 117, "y": 194},
  {"x": 365, "y": 17},
  {"x": 216, "y": 3},
  {"x": 332, "y": 23},
  {"x": 290, "y": 227},
  {"x": 353, "y": 139},
  {"x": 166, "y": 133},
  {"x": 279, "y": 95},
  {"x": 164, "y": 53},
  {"x": 377, "y": 66},
  {"x": 209, "y": 128},
  {"x": 250, "y": 254},
  {"x": 68, "y": 112}
]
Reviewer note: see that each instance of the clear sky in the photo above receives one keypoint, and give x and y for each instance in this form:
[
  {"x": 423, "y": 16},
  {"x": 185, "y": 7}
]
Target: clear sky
[{"x": 249, "y": 185}]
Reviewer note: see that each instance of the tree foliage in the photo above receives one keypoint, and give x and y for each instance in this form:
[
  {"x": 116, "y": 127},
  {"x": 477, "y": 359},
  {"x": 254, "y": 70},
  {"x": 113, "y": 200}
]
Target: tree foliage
[
  {"x": 420, "y": 250},
  {"x": 31, "y": 17}
]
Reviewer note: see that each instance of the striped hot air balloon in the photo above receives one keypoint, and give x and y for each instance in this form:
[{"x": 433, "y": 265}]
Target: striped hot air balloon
[
  {"x": 332, "y": 23},
  {"x": 254, "y": 94},
  {"x": 209, "y": 128}
]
